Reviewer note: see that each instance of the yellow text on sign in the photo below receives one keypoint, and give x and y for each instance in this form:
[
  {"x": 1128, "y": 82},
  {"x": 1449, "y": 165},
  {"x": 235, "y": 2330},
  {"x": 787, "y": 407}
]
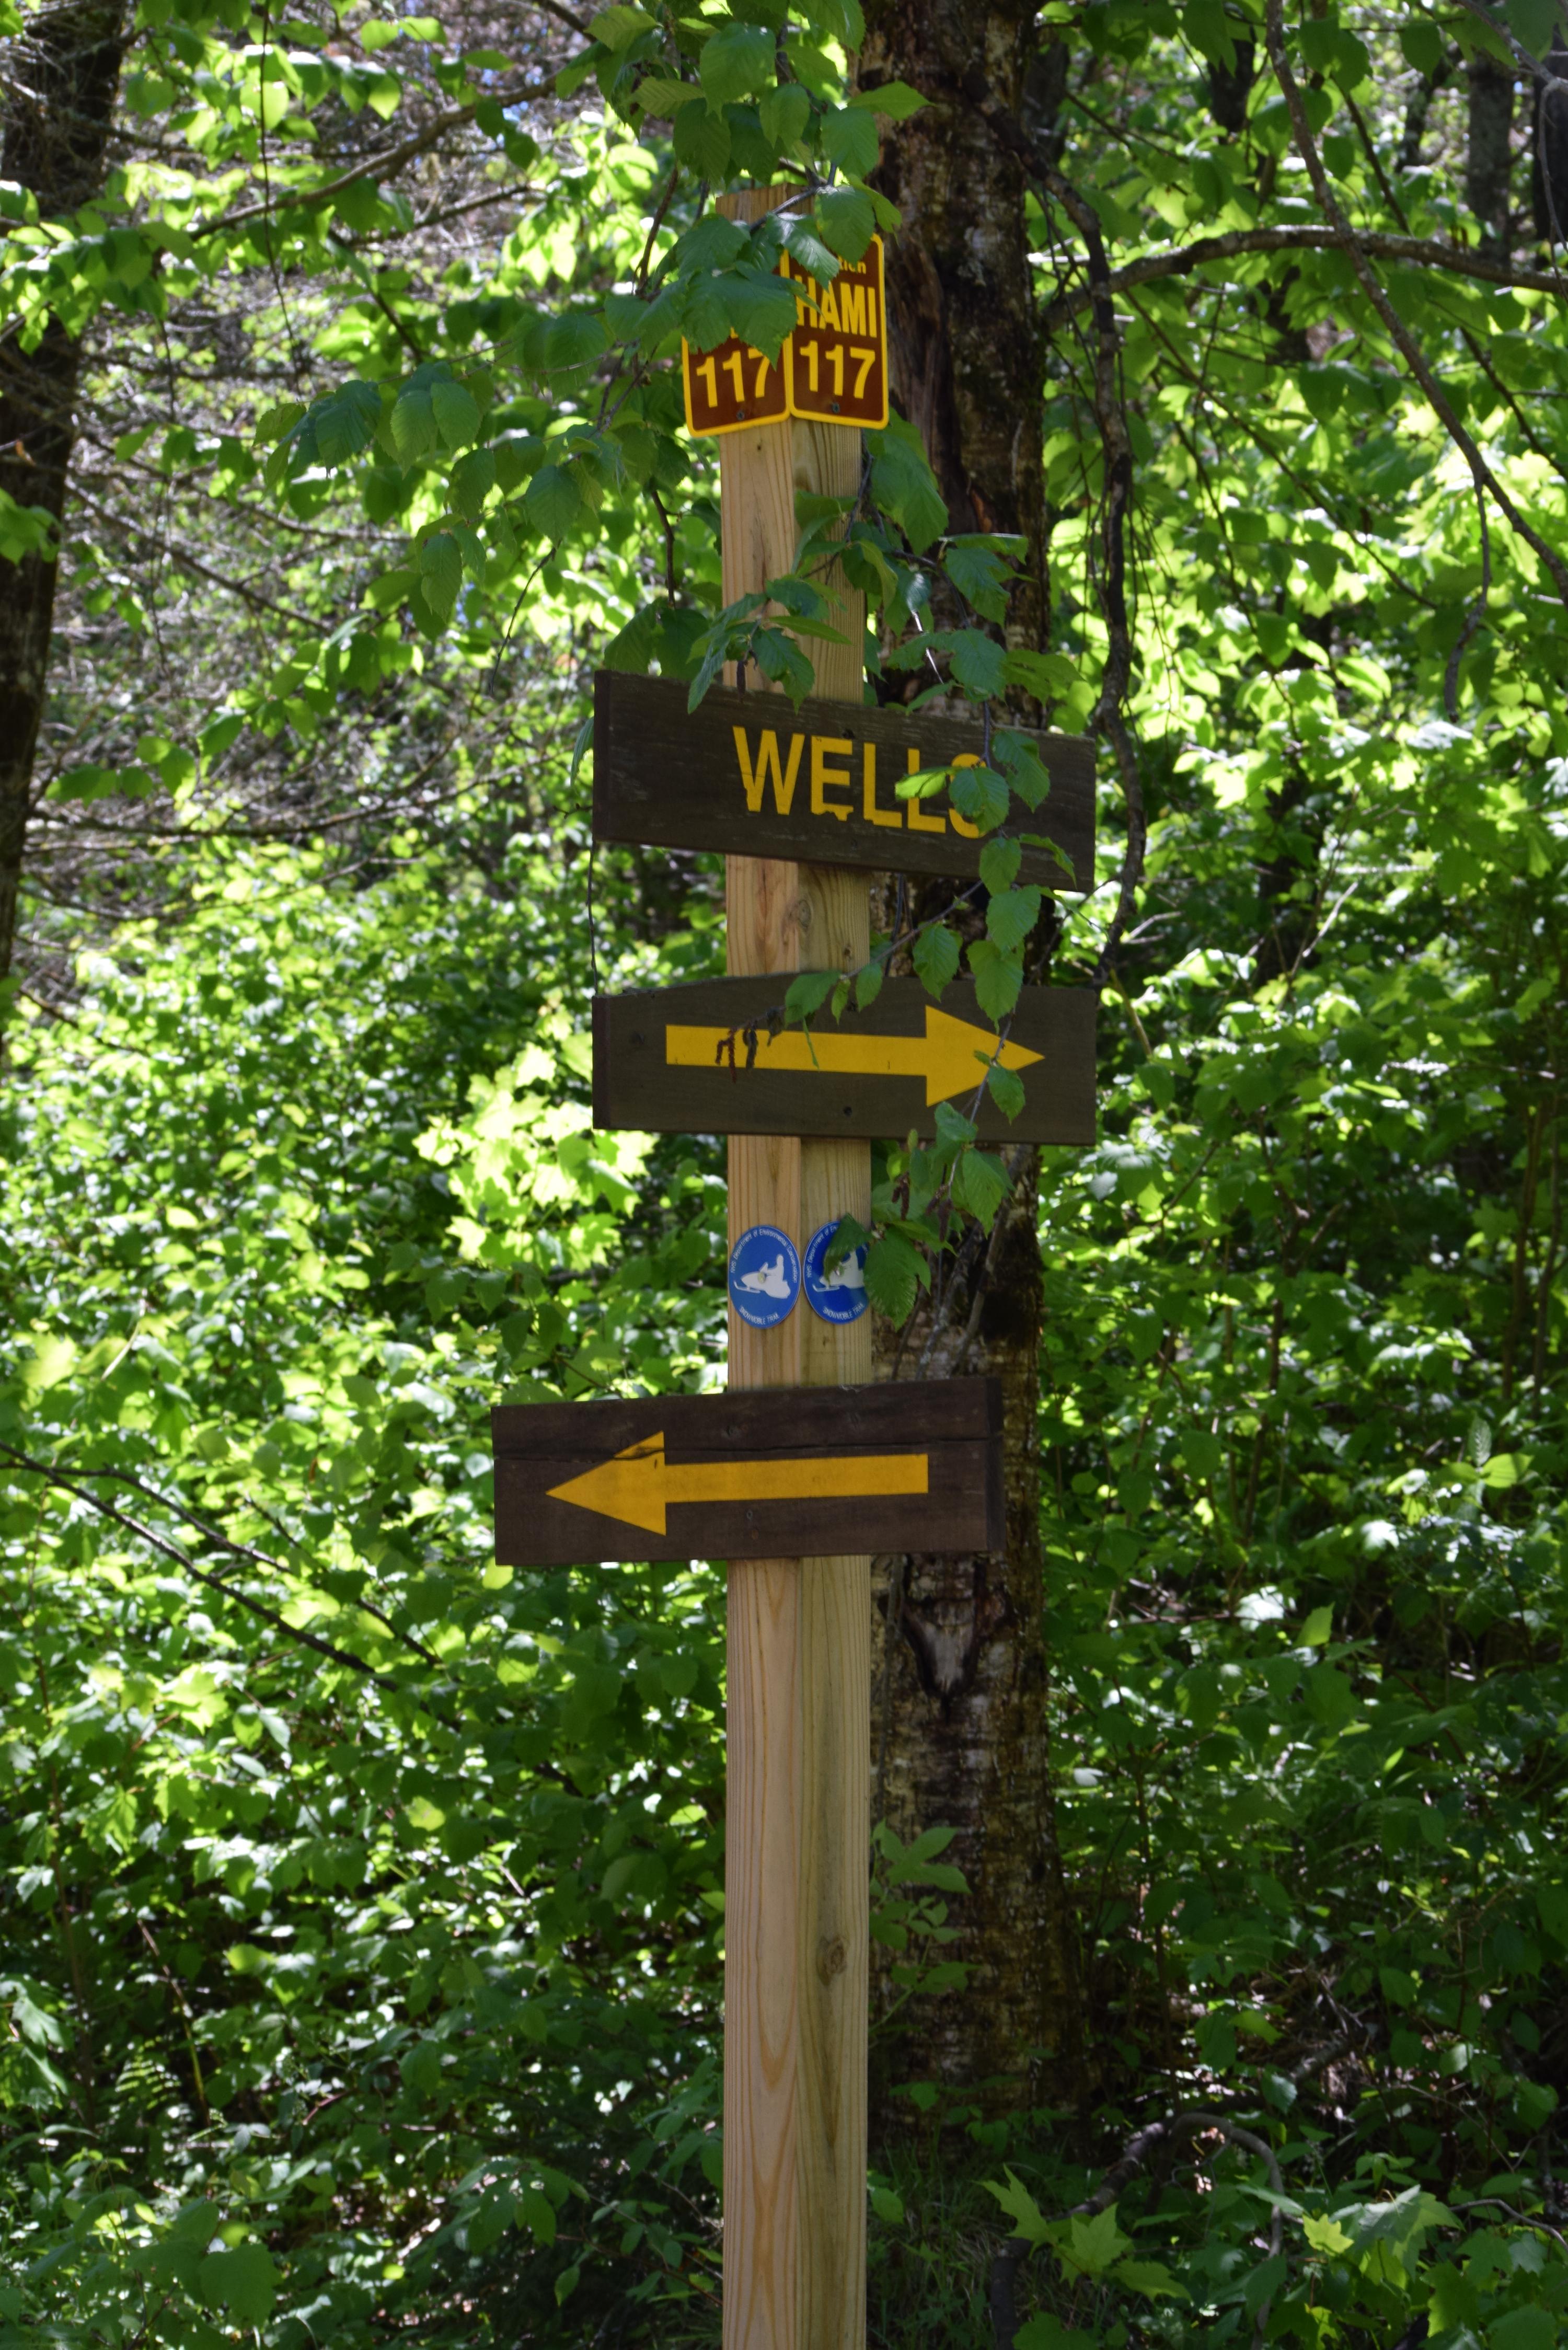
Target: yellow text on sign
[
  {"x": 832, "y": 367},
  {"x": 833, "y": 785}
]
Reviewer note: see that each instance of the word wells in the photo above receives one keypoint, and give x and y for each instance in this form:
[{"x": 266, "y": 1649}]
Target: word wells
[{"x": 745, "y": 774}]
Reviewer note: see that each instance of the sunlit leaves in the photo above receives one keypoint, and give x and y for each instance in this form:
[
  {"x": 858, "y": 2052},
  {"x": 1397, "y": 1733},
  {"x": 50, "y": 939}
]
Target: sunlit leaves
[{"x": 736, "y": 61}]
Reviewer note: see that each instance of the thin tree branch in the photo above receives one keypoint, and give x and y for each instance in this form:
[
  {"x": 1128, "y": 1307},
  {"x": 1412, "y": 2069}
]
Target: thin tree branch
[
  {"x": 181, "y": 1559},
  {"x": 1179, "y": 260}
]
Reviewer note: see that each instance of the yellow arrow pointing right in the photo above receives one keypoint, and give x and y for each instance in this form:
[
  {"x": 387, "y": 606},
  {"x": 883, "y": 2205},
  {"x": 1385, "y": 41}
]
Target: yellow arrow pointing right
[
  {"x": 638, "y": 1486},
  {"x": 950, "y": 1057}
]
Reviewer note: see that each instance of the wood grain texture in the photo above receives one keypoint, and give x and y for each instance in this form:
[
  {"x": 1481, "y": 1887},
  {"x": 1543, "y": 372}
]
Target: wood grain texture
[
  {"x": 636, "y": 1085},
  {"x": 822, "y": 790},
  {"x": 831, "y": 1966},
  {"x": 762, "y": 1910},
  {"x": 807, "y": 2116}
]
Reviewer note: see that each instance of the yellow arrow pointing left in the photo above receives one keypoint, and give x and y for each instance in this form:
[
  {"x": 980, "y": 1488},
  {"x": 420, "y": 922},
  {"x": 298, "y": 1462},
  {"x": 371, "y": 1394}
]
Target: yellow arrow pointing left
[
  {"x": 638, "y": 1486},
  {"x": 950, "y": 1055}
]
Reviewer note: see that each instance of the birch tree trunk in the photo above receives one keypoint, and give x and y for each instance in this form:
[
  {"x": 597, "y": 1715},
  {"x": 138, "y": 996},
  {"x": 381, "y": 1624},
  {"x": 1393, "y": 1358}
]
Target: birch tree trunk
[
  {"x": 59, "y": 109},
  {"x": 960, "y": 1730}
]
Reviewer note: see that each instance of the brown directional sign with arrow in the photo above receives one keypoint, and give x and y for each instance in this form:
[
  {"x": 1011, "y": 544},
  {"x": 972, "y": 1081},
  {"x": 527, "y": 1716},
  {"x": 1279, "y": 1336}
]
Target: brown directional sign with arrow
[
  {"x": 764, "y": 1473},
  {"x": 747, "y": 774},
  {"x": 701, "y": 1059}
]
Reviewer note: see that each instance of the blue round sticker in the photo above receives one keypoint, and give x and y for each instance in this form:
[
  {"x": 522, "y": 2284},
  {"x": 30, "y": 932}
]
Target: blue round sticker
[
  {"x": 765, "y": 1276},
  {"x": 839, "y": 1295}
]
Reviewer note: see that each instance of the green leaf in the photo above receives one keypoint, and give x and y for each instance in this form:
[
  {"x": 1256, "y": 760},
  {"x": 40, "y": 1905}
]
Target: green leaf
[
  {"x": 1092, "y": 2246},
  {"x": 1017, "y": 759},
  {"x": 781, "y": 659},
  {"x": 660, "y": 95},
  {"x": 808, "y": 994},
  {"x": 887, "y": 2206},
  {"x": 895, "y": 1272},
  {"x": 1205, "y": 24},
  {"x": 619, "y": 26},
  {"x": 846, "y": 221},
  {"x": 999, "y": 863},
  {"x": 935, "y": 955},
  {"x": 245, "y": 2281},
  {"x": 345, "y": 421},
  {"x": 702, "y": 142},
  {"x": 869, "y": 985},
  {"x": 979, "y": 1180},
  {"x": 737, "y": 61},
  {"x": 1005, "y": 1087},
  {"x": 536, "y": 2210},
  {"x": 1318, "y": 1629},
  {"x": 1047, "y": 676},
  {"x": 1028, "y": 2220},
  {"x": 849, "y": 139},
  {"x": 785, "y": 113},
  {"x": 761, "y": 310},
  {"x": 420, "y": 2068},
  {"x": 979, "y": 793},
  {"x": 472, "y": 479},
  {"x": 575, "y": 338},
  {"x": 441, "y": 573},
  {"x": 979, "y": 574},
  {"x": 896, "y": 99},
  {"x": 1150, "y": 2277},
  {"x": 804, "y": 245},
  {"x": 413, "y": 423},
  {"x": 551, "y": 502},
  {"x": 997, "y": 978},
  {"x": 456, "y": 412},
  {"x": 1533, "y": 23},
  {"x": 977, "y": 663},
  {"x": 1422, "y": 43},
  {"x": 902, "y": 482},
  {"x": 1010, "y": 916}
]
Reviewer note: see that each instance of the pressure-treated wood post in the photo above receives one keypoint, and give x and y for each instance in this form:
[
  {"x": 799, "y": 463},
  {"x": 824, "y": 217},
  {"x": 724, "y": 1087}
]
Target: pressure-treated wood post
[{"x": 796, "y": 1875}]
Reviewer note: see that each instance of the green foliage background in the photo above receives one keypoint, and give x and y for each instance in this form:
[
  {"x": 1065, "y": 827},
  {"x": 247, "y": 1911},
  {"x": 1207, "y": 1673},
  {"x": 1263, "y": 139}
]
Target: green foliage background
[{"x": 362, "y": 1902}]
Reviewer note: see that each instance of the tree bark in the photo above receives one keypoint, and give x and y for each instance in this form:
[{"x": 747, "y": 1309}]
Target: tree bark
[
  {"x": 59, "y": 114},
  {"x": 1488, "y": 162},
  {"x": 959, "y": 1728}
]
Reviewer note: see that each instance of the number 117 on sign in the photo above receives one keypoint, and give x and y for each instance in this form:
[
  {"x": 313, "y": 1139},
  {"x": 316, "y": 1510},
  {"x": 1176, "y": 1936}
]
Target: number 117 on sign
[{"x": 731, "y": 386}]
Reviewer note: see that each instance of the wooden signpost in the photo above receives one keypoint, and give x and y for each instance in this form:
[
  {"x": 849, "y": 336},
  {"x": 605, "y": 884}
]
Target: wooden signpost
[
  {"x": 746, "y": 772},
  {"x": 713, "y": 1057},
  {"x": 804, "y": 1468}
]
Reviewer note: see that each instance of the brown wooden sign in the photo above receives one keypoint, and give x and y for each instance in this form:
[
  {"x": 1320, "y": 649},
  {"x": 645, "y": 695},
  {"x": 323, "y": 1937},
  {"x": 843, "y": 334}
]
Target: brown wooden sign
[
  {"x": 747, "y": 774},
  {"x": 732, "y": 385},
  {"x": 764, "y": 1473},
  {"x": 837, "y": 355},
  {"x": 833, "y": 367},
  {"x": 701, "y": 1059}
]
